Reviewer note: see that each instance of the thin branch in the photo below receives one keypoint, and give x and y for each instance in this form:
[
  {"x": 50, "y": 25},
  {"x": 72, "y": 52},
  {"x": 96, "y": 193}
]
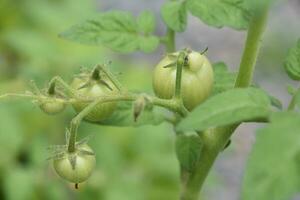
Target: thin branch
[{"x": 12, "y": 95}]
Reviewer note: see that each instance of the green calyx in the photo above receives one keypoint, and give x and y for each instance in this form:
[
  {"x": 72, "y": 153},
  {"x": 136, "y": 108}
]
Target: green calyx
[
  {"x": 94, "y": 78},
  {"x": 179, "y": 58}
]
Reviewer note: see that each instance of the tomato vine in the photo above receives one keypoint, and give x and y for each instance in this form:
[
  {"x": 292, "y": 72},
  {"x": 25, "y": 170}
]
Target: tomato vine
[{"x": 184, "y": 83}]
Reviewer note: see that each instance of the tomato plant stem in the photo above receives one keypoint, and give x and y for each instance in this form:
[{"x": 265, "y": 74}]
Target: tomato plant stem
[
  {"x": 251, "y": 49},
  {"x": 170, "y": 41},
  {"x": 215, "y": 139},
  {"x": 292, "y": 104}
]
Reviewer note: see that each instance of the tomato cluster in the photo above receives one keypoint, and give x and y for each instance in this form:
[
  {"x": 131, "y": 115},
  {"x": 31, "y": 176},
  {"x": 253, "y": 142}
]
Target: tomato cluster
[{"x": 196, "y": 85}]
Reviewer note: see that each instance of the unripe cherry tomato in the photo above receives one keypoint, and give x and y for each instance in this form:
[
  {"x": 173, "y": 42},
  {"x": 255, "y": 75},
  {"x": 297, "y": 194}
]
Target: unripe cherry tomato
[
  {"x": 52, "y": 106},
  {"x": 83, "y": 166},
  {"x": 196, "y": 82},
  {"x": 93, "y": 90}
]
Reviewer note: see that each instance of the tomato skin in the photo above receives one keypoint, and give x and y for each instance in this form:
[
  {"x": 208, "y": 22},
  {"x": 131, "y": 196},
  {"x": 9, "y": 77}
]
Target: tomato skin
[
  {"x": 83, "y": 169},
  {"x": 52, "y": 106},
  {"x": 96, "y": 89},
  {"x": 196, "y": 83}
]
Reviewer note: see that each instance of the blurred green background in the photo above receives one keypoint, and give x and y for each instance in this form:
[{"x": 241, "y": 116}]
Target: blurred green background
[{"x": 132, "y": 163}]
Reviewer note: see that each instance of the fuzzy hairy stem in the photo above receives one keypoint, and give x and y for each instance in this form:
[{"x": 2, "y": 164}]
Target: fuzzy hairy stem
[
  {"x": 179, "y": 67},
  {"x": 34, "y": 87},
  {"x": 169, "y": 104},
  {"x": 15, "y": 95}
]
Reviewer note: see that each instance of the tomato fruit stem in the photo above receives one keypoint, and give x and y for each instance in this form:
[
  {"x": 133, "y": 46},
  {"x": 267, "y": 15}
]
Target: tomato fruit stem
[
  {"x": 170, "y": 104},
  {"x": 179, "y": 67}
]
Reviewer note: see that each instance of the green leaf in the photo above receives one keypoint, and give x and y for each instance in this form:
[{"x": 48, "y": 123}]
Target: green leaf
[
  {"x": 232, "y": 106},
  {"x": 223, "y": 79},
  {"x": 188, "y": 150},
  {"x": 174, "y": 14},
  {"x": 146, "y": 22},
  {"x": 148, "y": 44},
  {"x": 123, "y": 116},
  {"x": 274, "y": 100},
  {"x": 292, "y": 62},
  {"x": 255, "y": 6},
  {"x": 11, "y": 136},
  {"x": 220, "y": 13},
  {"x": 116, "y": 30},
  {"x": 272, "y": 172}
]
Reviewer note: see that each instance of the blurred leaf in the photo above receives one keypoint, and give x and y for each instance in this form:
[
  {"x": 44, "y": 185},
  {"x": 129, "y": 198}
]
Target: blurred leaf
[
  {"x": 116, "y": 30},
  {"x": 220, "y": 13},
  {"x": 272, "y": 172},
  {"x": 53, "y": 190},
  {"x": 291, "y": 90},
  {"x": 174, "y": 14},
  {"x": 292, "y": 62},
  {"x": 129, "y": 155},
  {"x": 255, "y": 6},
  {"x": 19, "y": 184},
  {"x": 223, "y": 79},
  {"x": 10, "y": 135},
  {"x": 229, "y": 107},
  {"x": 188, "y": 149},
  {"x": 146, "y": 22},
  {"x": 148, "y": 43},
  {"x": 123, "y": 116}
]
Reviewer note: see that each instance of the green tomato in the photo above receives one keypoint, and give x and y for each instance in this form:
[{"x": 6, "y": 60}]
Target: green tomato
[
  {"x": 83, "y": 166},
  {"x": 52, "y": 106},
  {"x": 93, "y": 90},
  {"x": 197, "y": 79}
]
